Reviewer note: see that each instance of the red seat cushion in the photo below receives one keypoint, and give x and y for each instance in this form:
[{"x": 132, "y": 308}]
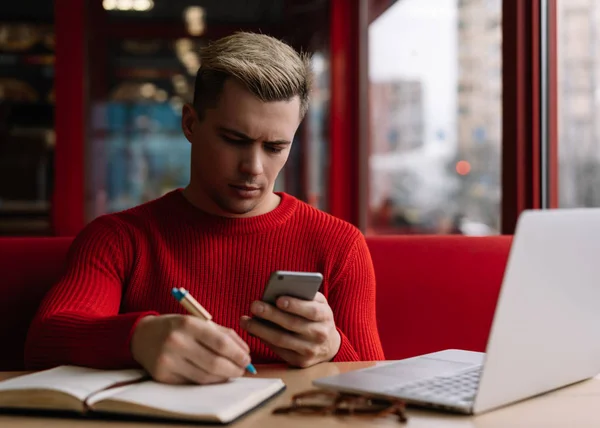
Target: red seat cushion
[
  {"x": 436, "y": 292},
  {"x": 28, "y": 268}
]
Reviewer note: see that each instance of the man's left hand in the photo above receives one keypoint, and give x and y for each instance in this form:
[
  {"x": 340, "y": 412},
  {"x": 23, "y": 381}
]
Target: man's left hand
[{"x": 307, "y": 335}]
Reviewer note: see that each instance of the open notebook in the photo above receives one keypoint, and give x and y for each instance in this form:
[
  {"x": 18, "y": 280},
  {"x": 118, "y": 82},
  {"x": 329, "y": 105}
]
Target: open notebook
[{"x": 130, "y": 392}]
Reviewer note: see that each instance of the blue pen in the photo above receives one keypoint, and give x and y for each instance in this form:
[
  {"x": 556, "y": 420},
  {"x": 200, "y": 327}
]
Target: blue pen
[{"x": 196, "y": 309}]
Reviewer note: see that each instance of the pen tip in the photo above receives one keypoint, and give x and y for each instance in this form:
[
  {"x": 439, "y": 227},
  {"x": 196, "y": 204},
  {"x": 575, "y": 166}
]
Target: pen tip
[
  {"x": 177, "y": 293},
  {"x": 251, "y": 369}
]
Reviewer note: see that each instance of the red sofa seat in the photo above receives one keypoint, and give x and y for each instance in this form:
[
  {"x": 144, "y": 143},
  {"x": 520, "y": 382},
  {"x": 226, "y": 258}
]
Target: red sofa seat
[
  {"x": 433, "y": 292},
  {"x": 436, "y": 292},
  {"x": 28, "y": 268}
]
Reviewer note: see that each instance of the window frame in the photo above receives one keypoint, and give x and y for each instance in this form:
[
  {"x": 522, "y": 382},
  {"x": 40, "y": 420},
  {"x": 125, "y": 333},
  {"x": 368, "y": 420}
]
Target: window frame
[
  {"x": 529, "y": 108},
  {"x": 67, "y": 201}
]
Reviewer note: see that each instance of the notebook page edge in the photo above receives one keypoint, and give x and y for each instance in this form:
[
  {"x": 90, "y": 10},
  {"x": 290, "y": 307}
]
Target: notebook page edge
[{"x": 249, "y": 405}]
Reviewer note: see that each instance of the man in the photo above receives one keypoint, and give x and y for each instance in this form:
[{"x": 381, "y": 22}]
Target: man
[{"x": 220, "y": 238}]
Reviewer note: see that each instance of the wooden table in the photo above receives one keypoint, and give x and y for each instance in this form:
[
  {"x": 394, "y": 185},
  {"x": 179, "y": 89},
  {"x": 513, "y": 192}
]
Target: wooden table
[{"x": 574, "y": 406}]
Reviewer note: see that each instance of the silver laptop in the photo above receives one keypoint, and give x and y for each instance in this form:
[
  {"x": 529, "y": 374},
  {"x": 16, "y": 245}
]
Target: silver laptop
[{"x": 545, "y": 333}]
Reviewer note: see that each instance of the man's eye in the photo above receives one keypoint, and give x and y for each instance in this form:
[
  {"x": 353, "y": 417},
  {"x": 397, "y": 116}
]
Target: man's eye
[
  {"x": 274, "y": 149},
  {"x": 232, "y": 140}
]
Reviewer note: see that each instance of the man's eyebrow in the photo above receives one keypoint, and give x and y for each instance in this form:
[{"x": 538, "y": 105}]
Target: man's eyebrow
[{"x": 243, "y": 136}]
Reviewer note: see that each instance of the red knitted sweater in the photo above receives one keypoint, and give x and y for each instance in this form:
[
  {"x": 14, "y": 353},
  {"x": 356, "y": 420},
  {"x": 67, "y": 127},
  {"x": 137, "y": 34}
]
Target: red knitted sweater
[{"x": 123, "y": 266}]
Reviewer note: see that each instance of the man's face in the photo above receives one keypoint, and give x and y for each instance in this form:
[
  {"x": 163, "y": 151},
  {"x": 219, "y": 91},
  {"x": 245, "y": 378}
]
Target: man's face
[{"x": 238, "y": 149}]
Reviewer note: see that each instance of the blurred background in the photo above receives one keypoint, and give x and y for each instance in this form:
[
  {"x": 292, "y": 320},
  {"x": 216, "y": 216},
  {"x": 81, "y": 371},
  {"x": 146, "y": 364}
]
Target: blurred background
[{"x": 404, "y": 132}]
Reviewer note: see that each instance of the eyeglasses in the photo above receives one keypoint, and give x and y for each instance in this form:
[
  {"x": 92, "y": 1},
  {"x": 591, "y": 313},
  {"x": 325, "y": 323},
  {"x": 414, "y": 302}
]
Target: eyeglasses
[{"x": 321, "y": 402}]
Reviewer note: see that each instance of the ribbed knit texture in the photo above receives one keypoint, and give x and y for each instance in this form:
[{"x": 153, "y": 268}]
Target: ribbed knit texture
[{"x": 123, "y": 266}]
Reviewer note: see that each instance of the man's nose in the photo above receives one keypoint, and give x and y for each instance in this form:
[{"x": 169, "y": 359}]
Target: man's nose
[{"x": 252, "y": 162}]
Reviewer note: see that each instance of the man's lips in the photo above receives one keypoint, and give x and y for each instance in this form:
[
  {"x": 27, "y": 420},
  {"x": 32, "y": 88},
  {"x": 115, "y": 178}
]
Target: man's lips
[
  {"x": 245, "y": 192},
  {"x": 244, "y": 187}
]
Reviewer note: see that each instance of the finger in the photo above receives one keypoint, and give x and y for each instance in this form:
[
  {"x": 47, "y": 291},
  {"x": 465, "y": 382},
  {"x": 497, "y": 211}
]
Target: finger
[
  {"x": 175, "y": 369},
  {"x": 237, "y": 338},
  {"x": 178, "y": 379},
  {"x": 194, "y": 374},
  {"x": 186, "y": 346},
  {"x": 291, "y": 357},
  {"x": 207, "y": 360},
  {"x": 167, "y": 375},
  {"x": 319, "y": 297},
  {"x": 220, "y": 343},
  {"x": 311, "y": 310},
  {"x": 277, "y": 337},
  {"x": 283, "y": 319}
]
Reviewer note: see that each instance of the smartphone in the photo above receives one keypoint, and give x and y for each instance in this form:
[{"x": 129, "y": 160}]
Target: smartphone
[{"x": 302, "y": 285}]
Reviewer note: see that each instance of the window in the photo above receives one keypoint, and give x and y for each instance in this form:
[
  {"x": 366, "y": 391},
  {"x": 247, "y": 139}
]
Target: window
[
  {"x": 579, "y": 103},
  {"x": 443, "y": 175},
  {"x": 27, "y": 99},
  {"x": 149, "y": 58}
]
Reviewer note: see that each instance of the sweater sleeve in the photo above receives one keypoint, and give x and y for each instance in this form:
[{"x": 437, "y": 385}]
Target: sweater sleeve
[
  {"x": 78, "y": 321},
  {"x": 352, "y": 299}
]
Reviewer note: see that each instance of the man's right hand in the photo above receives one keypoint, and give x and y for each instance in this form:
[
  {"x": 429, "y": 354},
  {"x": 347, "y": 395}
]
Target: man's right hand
[{"x": 184, "y": 349}]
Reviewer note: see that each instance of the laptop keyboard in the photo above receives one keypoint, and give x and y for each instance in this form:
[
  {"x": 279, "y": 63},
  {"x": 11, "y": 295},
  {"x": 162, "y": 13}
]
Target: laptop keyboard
[{"x": 456, "y": 389}]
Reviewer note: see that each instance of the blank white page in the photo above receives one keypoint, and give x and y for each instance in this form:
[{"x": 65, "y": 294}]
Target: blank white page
[
  {"x": 225, "y": 400},
  {"x": 79, "y": 382}
]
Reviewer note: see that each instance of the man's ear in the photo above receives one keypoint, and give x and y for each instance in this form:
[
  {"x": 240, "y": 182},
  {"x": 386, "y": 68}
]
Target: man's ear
[{"x": 189, "y": 120}]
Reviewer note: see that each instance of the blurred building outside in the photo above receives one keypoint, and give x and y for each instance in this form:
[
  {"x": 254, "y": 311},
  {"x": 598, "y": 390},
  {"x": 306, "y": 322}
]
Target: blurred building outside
[{"x": 436, "y": 118}]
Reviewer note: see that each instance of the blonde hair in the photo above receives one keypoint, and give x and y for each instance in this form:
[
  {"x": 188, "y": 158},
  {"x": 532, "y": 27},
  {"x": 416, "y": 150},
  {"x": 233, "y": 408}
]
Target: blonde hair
[{"x": 267, "y": 67}]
